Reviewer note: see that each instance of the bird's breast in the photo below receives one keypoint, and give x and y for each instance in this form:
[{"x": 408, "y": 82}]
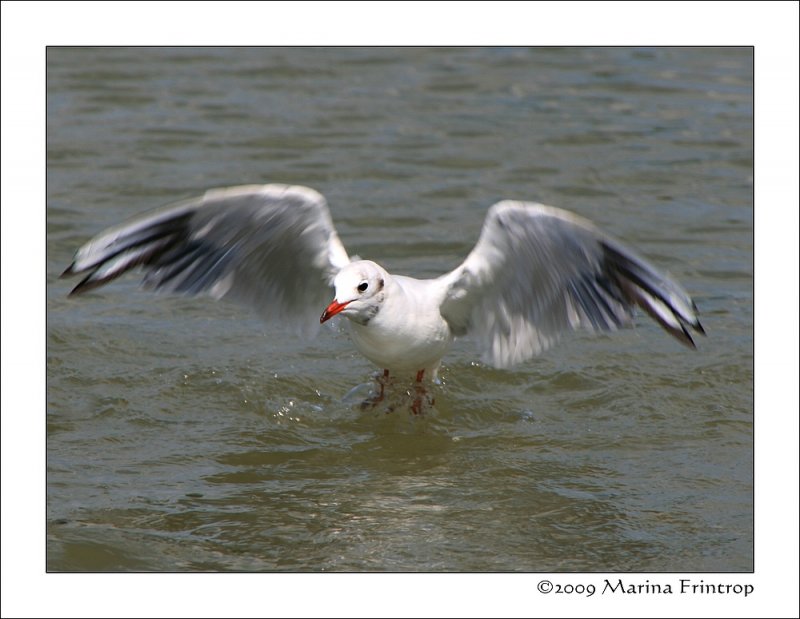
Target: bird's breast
[{"x": 405, "y": 343}]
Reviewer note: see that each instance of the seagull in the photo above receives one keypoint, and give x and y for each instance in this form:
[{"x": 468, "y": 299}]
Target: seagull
[{"x": 536, "y": 273}]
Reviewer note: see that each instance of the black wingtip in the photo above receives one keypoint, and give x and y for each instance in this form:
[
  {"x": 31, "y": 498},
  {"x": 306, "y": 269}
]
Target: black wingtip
[
  {"x": 696, "y": 323},
  {"x": 80, "y": 289},
  {"x": 685, "y": 337},
  {"x": 77, "y": 291},
  {"x": 90, "y": 282},
  {"x": 68, "y": 272}
]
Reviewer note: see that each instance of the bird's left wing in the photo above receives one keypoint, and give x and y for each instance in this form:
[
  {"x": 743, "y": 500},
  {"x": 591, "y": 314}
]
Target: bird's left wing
[
  {"x": 538, "y": 271},
  {"x": 271, "y": 247}
]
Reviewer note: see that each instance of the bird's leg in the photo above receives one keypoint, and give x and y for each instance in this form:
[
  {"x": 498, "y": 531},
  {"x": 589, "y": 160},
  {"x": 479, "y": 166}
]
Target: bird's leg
[
  {"x": 416, "y": 406},
  {"x": 382, "y": 382},
  {"x": 374, "y": 398}
]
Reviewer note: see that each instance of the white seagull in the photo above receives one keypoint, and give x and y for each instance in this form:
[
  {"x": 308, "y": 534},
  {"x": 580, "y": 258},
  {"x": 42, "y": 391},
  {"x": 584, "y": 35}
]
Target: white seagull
[{"x": 535, "y": 273}]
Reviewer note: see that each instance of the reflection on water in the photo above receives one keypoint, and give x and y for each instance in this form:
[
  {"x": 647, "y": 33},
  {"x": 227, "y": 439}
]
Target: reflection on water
[{"x": 186, "y": 435}]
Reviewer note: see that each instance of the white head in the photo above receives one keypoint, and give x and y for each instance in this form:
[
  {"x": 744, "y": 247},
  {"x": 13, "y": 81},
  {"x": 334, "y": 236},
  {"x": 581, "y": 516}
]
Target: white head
[{"x": 359, "y": 292}]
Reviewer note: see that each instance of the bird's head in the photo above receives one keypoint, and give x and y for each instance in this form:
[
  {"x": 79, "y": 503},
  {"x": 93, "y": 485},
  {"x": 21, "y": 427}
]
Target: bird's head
[{"x": 359, "y": 292}]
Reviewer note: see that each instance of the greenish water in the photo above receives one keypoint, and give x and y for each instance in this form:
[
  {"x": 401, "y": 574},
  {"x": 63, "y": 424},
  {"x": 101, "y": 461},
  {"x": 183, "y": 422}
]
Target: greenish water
[{"x": 187, "y": 435}]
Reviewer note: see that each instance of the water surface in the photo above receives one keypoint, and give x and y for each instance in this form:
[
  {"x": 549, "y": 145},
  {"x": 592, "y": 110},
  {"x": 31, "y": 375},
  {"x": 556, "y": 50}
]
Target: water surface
[{"x": 187, "y": 435}]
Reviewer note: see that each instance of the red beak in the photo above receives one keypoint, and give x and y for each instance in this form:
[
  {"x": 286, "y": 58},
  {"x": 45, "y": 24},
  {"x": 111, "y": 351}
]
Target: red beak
[{"x": 334, "y": 308}]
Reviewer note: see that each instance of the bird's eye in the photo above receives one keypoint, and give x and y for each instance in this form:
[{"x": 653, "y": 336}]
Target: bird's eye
[{"x": 363, "y": 286}]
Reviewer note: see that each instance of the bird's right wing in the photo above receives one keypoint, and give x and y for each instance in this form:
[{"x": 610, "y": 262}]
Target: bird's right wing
[
  {"x": 538, "y": 271},
  {"x": 271, "y": 247}
]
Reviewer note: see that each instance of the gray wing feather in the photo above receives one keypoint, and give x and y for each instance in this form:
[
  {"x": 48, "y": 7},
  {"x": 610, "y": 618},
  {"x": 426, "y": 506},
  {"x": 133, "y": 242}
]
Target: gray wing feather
[
  {"x": 271, "y": 247},
  {"x": 537, "y": 272}
]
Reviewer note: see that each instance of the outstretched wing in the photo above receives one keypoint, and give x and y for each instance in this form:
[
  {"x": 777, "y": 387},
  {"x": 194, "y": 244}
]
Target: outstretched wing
[
  {"x": 271, "y": 247},
  {"x": 538, "y": 271}
]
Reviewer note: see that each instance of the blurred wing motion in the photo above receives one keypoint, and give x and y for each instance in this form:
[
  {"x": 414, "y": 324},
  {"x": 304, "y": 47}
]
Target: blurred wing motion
[
  {"x": 271, "y": 247},
  {"x": 539, "y": 271}
]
